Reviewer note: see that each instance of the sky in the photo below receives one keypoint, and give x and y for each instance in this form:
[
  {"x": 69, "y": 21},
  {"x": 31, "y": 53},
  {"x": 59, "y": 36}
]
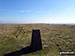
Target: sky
[{"x": 37, "y": 11}]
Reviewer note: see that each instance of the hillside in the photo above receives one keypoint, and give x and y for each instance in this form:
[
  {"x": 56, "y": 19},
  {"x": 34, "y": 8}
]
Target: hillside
[{"x": 55, "y": 38}]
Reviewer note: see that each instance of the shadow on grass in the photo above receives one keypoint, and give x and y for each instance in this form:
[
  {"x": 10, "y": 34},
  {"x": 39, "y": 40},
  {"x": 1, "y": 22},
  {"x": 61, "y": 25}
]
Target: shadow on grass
[{"x": 36, "y": 45}]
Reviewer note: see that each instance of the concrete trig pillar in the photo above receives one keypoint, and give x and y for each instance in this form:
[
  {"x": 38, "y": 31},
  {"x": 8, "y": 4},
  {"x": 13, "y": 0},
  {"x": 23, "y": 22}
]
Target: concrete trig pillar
[{"x": 36, "y": 43}]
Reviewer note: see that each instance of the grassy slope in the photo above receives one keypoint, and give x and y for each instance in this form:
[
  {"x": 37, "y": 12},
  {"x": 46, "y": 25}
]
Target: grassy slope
[{"x": 55, "y": 38}]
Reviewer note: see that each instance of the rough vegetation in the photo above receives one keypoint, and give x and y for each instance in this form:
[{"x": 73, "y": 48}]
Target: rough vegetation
[{"x": 55, "y": 38}]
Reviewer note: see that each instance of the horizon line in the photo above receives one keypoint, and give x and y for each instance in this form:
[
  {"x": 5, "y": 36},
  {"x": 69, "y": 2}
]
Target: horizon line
[{"x": 40, "y": 23}]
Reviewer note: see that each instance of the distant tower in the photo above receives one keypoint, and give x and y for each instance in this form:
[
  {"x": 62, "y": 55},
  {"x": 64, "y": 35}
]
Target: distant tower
[{"x": 36, "y": 43}]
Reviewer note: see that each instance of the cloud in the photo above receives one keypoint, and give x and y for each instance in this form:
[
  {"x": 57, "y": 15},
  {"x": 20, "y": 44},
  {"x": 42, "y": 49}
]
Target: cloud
[
  {"x": 28, "y": 10},
  {"x": 43, "y": 20},
  {"x": 52, "y": 20},
  {"x": 63, "y": 19},
  {"x": 21, "y": 11},
  {"x": 25, "y": 11}
]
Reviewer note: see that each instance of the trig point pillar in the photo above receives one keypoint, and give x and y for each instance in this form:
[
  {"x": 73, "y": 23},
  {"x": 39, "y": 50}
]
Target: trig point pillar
[{"x": 36, "y": 42}]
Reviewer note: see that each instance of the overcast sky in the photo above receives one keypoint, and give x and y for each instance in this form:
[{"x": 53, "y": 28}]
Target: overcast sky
[{"x": 37, "y": 11}]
